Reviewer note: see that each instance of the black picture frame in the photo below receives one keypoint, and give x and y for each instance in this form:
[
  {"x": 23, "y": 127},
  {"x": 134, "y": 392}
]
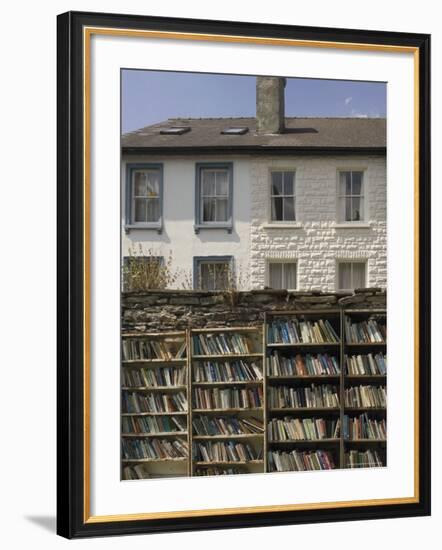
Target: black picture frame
[{"x": 71, "y": 519}]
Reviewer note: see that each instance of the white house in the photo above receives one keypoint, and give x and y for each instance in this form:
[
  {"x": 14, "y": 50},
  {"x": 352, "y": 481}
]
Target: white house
[{"x": 296, "y": 203}]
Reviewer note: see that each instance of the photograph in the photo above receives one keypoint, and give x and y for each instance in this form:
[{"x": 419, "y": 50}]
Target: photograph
[{"x": 253, "y": 274}]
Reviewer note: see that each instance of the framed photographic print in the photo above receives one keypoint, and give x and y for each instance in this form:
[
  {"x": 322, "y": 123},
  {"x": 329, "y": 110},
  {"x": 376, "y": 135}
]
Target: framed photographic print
[{"x": 236, "y": 202}]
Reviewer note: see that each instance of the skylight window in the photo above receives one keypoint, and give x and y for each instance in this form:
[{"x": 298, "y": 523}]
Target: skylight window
[
  {"x": 175, "y": 130},
  {"x": 235, "y": 131}
]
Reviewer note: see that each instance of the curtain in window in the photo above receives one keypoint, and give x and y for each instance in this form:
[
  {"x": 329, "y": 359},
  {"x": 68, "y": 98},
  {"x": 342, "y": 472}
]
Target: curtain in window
[
  {"x": 359, "y": 275},
  {"x": 215, "y": 192},
  {"x": 351, "y": 275},
  {"x": 214, "y": 276},
  {"x": 146, "y": 194},
  {"x": 282, "y": 275}
]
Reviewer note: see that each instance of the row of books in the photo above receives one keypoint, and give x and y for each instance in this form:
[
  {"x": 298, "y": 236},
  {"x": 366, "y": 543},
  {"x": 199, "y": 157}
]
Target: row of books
[
  {"x": 306, "y": 429},
  {"x": 154, "y": 448},
  {"x": 364, "y": 427},
  {"x": 227, "y": 398},
  {"x": 228, "y": 425},
  {"x": 153, "y": 424},
  {"x": 366, "y": 396},
  {"x": 300, "y": 461},
  {"x": 224, "y": 451},
  {"x": 294, "y": 331},
  {"x": 324, "y": 395},
  {"x": 144, "y": 349},
  {"x": 217, "y": 471},
  {"x": 165, "y": 376},
  {"x": 154, "y": 402},
  {"x": 235, "y": 371},
  {"x": 366, "y": 364},
  {"x": 221, "y": 344},
  {"x": 310, "y": 365},
  {"x": 370, "y": 332},
  {"x": 136, "y": 471},
  {"x": 363, "y": 459}
]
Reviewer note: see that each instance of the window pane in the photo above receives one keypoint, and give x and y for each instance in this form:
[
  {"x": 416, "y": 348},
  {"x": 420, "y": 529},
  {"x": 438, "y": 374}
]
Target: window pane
[
  {"x": 208, "y": 178},
  {"x": 277, "y": 209},
  {"x": 153, "y": 210},
  {"x": 206, "y": 277},
  {"x": 356, "y": 209},
  {"x": 356, "y": 183},
  {"x": 289, "y": 209},
  {"x": 344, "y": 276},
  {"x": 290, "y": 276},
  {"x": 153, "y": 184},
  {"x": 140, "y": 181},
  {"x": 221, "y": 210},
  {"x": 345, "y": 183},
  {"x": 276, "y": 183},
  {"x": 209, "y": 208},
  {"x": 359, "y": 275},
  {"x": 140, "y": 210},
  {"x": 348, "y": 209},
  {"x": 275, "y": 275},
  {"x": 221, "y": 276},
  {"x": 289, "y": 183},
  {"x": 221, "y": 183}
]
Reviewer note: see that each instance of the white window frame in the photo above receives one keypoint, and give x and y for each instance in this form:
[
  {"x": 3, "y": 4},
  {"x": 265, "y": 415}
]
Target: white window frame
[
  {"x": 282, "y": 261},
  {"x": 348, "y": 223},
  {"x": 282, "y": 169},
  {"x": 352, "y": 261}
]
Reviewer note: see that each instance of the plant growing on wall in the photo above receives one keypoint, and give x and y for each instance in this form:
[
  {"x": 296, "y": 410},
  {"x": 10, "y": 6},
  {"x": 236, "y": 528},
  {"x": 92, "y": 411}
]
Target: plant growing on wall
[{"x": 148, "y": 270}]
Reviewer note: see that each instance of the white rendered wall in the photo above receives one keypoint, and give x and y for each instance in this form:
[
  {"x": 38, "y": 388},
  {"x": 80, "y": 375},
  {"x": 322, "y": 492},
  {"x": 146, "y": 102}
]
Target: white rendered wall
[
  {"x": 314, "y": 241},
  {"x": 178, "y": 236},
  {"x": 316, "y": 244}
]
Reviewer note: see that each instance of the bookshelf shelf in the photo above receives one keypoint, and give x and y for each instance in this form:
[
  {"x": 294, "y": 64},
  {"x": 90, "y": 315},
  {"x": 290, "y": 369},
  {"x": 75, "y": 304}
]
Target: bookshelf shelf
[
  {"x": 230, "y": 383},
  {"x": 333, "y": 441},
  {"x": 227, "y": 411},
  {"x": 129, "y": 460},
  {"x": 173, "y": 413},
  {"x": 230, "y": 463},
  {"x": 227, "y": 357},
  {"x": 151, "y": 434},
  {"x": 229, "y": 437},
  {"x": 253, "y": 351},
  {"x": 155, "y": 388}
]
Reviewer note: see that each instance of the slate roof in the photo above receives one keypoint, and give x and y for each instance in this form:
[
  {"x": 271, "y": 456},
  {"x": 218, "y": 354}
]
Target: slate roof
[{"x": 307, "y": 134}]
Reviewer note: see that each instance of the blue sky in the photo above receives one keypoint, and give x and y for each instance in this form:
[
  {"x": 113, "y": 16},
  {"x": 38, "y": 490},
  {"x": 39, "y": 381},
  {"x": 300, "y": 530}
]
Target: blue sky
[{"x": 152, "y": 96}]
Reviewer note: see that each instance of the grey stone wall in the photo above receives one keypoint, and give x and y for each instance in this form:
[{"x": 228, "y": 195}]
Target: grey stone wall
[{"x": 166, "y": 310}]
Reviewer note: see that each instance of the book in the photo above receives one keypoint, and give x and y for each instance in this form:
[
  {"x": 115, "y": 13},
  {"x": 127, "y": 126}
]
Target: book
[
  {"x": 164, "y": 348},
  {"x": 302, "y": 429},
  {"x": 224, "y": 451},
  {"x": 227, "y": 398},
  {"x": 299, "y": 365},
  {"x": 137, "y": 471},
  {"x": 153, "y": 424},
  {"x": 227, "y": 425},
  {"x": 363, "y": 459},
  {"x": 371, "y": 331},
  {"x": 364, "y": 427},
  {"x": 217, "y": 471},
  {"x": 154, "y": 448},
  {"x": 221, "y": 344},
  {"x": 299, "y": 461},
  {"x": 229, "y": 371},
  {"x": 154, "y": 402},
  {"x": 313, "y": 396},
  {"x": 300, "y": 331},
  {"x": 160, "y": 377},
  {"x": 366, "y": 365},
  {"x": 365, "y": 397}
]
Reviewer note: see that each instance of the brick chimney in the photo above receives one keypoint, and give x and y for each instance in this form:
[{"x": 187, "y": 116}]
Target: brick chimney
[{"x": 270, "y": 104}]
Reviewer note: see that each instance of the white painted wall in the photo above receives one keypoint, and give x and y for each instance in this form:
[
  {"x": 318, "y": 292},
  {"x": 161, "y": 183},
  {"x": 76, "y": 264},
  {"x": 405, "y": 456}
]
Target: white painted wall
[
  {"x": 178, "y": 236},
  {"x": 315, "y": 241}
]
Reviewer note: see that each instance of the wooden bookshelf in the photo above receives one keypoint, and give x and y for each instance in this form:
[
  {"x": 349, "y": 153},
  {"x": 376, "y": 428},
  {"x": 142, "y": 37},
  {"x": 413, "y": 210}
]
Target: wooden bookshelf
[
  {"x": 374, "y": 413},
  {"x": 164, "y": 353},
  {"x": 259, "y": 351}
]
